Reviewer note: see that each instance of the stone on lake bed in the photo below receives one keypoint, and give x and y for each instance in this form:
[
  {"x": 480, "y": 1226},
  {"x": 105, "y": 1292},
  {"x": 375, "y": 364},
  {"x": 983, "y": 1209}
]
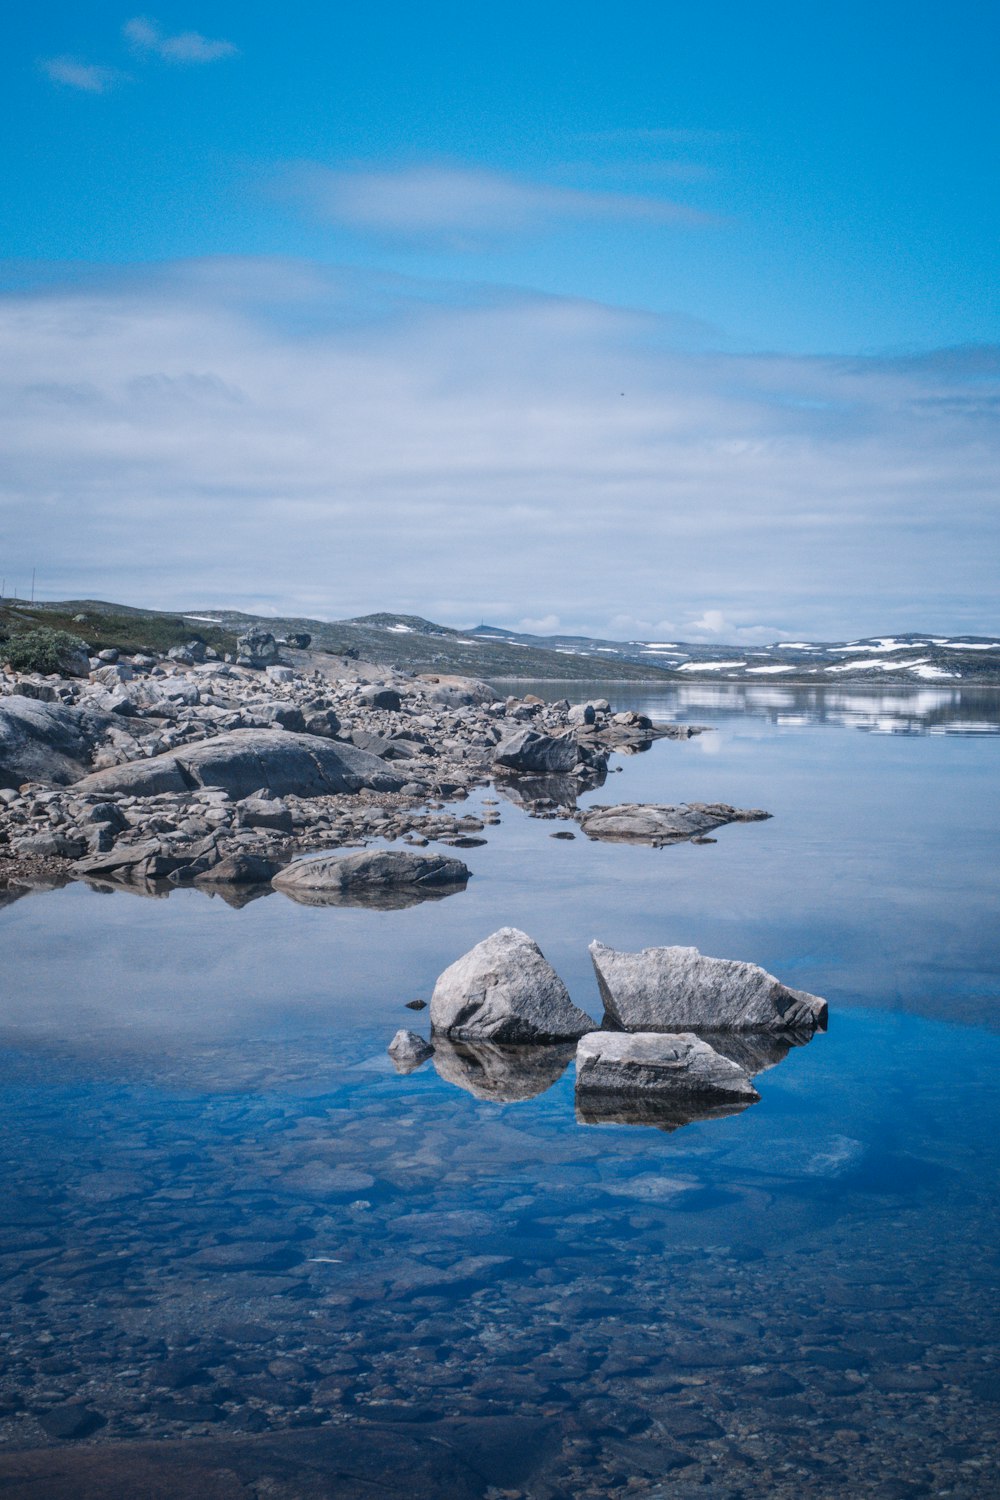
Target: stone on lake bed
[
  {"x": 653, "y": 1065},
  {"x": 371, "y": 875},
  {"x": 680, "y": 989},
  {"x": 652, "y": 823},
  {"x": 504, "y": 990}
]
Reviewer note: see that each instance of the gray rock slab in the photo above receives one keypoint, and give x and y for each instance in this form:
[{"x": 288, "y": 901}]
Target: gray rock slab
[
  {"x": 504, "y": 990},
  {"x": 680, "y": 989},
  {"x": 651, "y": 823},
  {"x": 372, "y": 873},
  {"x": 46, "y": 741},
  {"x": 650, "y": 1065},
  {"x": 245, "y": 760}
]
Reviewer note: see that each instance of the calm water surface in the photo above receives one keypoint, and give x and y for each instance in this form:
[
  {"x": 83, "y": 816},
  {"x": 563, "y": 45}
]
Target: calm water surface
[{"x": 229, "y": 1224}]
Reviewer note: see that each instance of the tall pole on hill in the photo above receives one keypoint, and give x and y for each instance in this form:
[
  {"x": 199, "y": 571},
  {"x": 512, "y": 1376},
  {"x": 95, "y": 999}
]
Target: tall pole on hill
[{"x": 32, "y": 585}]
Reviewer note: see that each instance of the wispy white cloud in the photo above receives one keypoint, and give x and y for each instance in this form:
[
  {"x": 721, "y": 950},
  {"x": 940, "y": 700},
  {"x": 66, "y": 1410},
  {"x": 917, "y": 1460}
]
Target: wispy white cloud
[
  {"x": 184, "y": 47},
  {"x": 90, "y": 78},
  {"x": 325, "y": 441},
  {"x": 466, "y": 205}
]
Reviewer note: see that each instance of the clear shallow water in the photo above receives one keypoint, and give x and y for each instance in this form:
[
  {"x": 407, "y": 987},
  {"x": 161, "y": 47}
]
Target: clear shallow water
[{"x": 225, "y": 1212}]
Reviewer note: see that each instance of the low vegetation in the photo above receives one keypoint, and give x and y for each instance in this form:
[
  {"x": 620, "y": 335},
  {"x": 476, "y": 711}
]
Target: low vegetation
[
  {"x": 102, "y": 626},
  {"x": 43, "y": 650}
]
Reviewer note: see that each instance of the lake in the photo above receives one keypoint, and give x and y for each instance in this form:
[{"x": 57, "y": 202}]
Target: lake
[{"x": 242, "y": 1255}]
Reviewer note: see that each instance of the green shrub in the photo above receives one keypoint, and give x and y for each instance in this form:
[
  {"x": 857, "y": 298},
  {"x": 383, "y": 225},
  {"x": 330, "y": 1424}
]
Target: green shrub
[{"x": 41, "y": 650}]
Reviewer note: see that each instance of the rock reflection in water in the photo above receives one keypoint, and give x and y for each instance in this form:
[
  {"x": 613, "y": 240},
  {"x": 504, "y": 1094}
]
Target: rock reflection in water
[
  {"x": 544, "y": 793},
  {"x": 236, "y": 896},
  {"x": 662, "y": 1114},
  {"x": 755, "y": 1051},
  {"x": 503, "y": 1074},
  {"x": 397, "y": 898}
]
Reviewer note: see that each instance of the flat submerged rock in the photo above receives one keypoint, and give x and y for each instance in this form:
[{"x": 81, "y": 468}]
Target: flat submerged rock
[{"x": 658, "y": 824}]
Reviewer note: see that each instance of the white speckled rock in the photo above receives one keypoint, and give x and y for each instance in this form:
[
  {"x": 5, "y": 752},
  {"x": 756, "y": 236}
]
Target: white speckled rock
[
  {"x": 651, "y": 1064},
  {"x": 674, "y": 989},
  {"x": 504, "y": 990}
]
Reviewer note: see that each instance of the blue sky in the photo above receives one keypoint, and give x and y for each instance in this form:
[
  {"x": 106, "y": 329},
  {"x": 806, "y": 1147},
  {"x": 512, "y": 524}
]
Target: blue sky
[{"x": 669, "y": 318}]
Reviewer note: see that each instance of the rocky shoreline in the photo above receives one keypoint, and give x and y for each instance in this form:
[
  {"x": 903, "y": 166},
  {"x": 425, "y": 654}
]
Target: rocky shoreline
[{"x": 149, "y": 772}]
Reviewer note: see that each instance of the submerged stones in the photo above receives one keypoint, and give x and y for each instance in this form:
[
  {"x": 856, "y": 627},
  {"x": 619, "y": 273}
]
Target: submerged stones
[
  {"x": 505, "y": 990},
  {"x": 677, "y": 989},
  {"x": 658, "y": 824},
  {"x": 398, "y": 876}
]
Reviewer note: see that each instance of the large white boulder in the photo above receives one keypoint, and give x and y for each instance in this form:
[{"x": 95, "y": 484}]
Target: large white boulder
[{"x": 504, "y": 990}]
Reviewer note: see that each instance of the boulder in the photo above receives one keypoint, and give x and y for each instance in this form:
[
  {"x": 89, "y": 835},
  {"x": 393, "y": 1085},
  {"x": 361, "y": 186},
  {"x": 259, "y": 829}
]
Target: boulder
[
  {"x": 371, "y": 874},
  {"x": 679, "y": 989},
  {"x": 408, "y": 1050},
  {"x": 245, "y": 760},
  {"x": 382, "y": 697},
  {"x": 325, "y": 723},
  {"x": 657, "y": 824},
  {"x": 52, "y": 845},
  {"x": 265, "y": 812},
  {"x": 286, "y": 715},
  {"x": 502, "y": 1074},
  {"x": 46, "y": 741},
  {"x": 651, "y": 1066},
  {"x": 529, "y": 751},
  {"x": 299, "y": 640},
  {"x": 581, "y": 713},
  {"x": 451, "y": 691},
  {"x": 504, "y": 990},
  {"x": 257, "y": 648},
  {"x": 239, "y": 869}
]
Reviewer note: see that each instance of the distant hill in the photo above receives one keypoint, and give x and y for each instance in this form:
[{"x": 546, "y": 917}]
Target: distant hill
[{"x": 418, "y": 645}]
